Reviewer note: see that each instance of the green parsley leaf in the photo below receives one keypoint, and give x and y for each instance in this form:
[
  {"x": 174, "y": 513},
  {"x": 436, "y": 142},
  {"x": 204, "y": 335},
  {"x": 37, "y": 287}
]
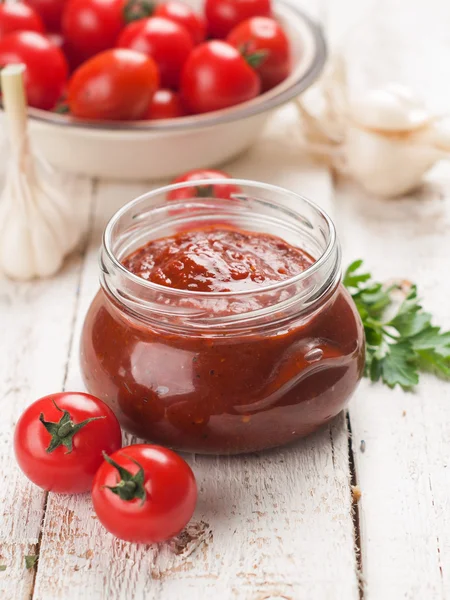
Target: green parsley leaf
[
  {"x": 399, "y": 366},
  {"x": 433, "y": 362},
  {"x": 2, "y": 568},
  {"x": 352, "y": 279},
  {"x": 432, "y": 339},
  {"x": 410, "y": 319},
  {"x": 400, "y": 338}
]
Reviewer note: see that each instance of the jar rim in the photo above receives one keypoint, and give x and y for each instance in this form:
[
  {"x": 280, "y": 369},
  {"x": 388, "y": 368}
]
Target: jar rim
[{"x": 150, "y": 285}]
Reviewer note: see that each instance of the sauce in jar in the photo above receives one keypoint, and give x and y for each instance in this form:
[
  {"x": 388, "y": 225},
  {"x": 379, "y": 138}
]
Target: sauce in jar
[
  {"x": 217, "y": 260},
  {"x": 240, "y": 344}
]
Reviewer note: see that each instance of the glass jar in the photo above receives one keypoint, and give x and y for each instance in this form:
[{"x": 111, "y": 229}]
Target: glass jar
[{"x": 223, "y": 372}]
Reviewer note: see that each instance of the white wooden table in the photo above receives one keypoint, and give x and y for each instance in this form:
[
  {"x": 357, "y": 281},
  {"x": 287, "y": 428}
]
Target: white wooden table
[{"x": 277, "y": 525}]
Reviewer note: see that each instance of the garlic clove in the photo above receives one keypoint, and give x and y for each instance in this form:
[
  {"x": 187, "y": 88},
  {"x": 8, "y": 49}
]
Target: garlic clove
[
  {"x": 387, "y": 166},
  {"x": 393, "y": 108},
  {"x": 28, "y": 248},
  {"x": 24, "y": 258},
  {"x": 59, "y": 216}
]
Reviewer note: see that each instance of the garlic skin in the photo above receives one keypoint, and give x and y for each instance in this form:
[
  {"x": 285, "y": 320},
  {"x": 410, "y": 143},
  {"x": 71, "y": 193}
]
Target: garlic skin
[
  {"x": 388, "y": 166},
  {"x": 37, "y": 228},
  {"x": 37, "y": 225},
  {"x": 392, "y": 108},
  {"x": 386, "y": 139}
]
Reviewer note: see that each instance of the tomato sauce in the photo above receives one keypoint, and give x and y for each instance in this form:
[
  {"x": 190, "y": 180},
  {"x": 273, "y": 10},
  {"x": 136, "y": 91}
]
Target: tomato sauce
[
  {"x": 218, "y": 391},
  {"x": 217, "y": 260}
]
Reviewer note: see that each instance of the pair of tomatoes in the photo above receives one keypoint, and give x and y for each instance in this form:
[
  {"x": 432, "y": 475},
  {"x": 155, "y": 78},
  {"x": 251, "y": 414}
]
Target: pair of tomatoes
[
  {"x": 136, "y": 60},
  {"x": 72, "y": 442}
]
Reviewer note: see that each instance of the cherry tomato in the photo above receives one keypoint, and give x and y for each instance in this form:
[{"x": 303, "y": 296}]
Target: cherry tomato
[
  {"x": 47, "y": 71},
  {"x": 50, "y": 12},
  {"x": 168, "y": 43},
  {"x": 116, "y": 84},
  {"x": 224, "y": 190},
  {"x": 266, "y": 46},
  {"x": 183, "y": 15},
  {"x": 59, "y": 440},
  {"x": 15, "y": 16},
  {"x": 223, "y": 15},
  {"x": 165, "y": 104},
  {"x": 144, "y": 494},
  {"x": 91, "y": 26},
  {"x": 216, "y": 76}
]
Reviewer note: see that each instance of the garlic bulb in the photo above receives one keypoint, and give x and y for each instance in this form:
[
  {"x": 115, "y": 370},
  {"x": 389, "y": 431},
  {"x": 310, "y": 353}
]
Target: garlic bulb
[
  {"x": 37, "y": 226},
  {"x": 386, "y": 139}
]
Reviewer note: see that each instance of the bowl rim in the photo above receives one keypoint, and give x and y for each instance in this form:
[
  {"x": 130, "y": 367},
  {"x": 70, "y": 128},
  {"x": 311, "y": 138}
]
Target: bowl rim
[{"x": 235, "y": 113}]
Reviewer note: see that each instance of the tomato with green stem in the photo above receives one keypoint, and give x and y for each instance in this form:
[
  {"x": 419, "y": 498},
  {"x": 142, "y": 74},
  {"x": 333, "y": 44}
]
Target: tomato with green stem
[
  {"x": 144, "y": 493},
  {"x": 216, "y": 76},
  {"x": 16, "y": 16},
  {"x": 223, "y": 15},
  {"x": 91, "y": 26},
  {"x": 167, "y": 42},
  {"x": 59, "y": 440},
  {"x": 46, "y": 68},
  {"x": 264, "y": 39},
  {"x": 116, "y": 84}
]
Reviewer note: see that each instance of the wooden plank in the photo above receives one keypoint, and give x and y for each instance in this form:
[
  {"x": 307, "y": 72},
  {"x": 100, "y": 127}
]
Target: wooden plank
[
  {"x": 274, "y": 525},
  {"x": 36, "y": 323},
  {"x": 405, "y": 529}
]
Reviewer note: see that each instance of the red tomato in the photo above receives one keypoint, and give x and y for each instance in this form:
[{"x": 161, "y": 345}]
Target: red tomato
[
  {"x": 47, "y": 71},
  {"x": 183, "y": 15},
  {"x": 224, "y": 190},
  {"x": 223, "y": 15},
  {"x": 60, "y": 438},
  {"x": 165, "y": 104},
  {"x": 91, "y": 26},
  {"x": 116, "y": 84},
  {"x": 15, "y": 16},
  {"x": 144, "y": 494},
  {"x": 168, "y": 43},
  {"x": 50, "y": 12},
  {"x": 265, "y": 45},
  {"x": 216, "y": 76}
]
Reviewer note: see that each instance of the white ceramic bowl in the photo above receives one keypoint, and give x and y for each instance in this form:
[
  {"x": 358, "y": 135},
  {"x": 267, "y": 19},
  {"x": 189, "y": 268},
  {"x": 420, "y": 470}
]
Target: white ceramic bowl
[{"x": 158, "y": 149}]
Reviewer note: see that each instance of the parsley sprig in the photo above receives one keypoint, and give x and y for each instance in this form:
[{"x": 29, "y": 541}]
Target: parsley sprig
[{"x": 400, "y": 338}]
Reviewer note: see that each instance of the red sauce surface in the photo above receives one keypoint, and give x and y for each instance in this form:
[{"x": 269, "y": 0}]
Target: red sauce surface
[
  {"x": 216, "y": 391},
  {"x": 217, "y": 260}
]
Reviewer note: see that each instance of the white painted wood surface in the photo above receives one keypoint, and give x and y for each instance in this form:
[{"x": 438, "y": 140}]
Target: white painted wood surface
[
  {"x": 404, "y": 472},
  {"x": 276, "y": 525}
]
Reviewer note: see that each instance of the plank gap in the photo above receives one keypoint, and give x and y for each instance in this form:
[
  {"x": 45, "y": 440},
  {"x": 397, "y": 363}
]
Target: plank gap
[
  {"x": 38, "y": 547},
  {"x": 355, "y": 511},
  {"x": 438, "y": 543},
  {"x": 333, "y": 457}
]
